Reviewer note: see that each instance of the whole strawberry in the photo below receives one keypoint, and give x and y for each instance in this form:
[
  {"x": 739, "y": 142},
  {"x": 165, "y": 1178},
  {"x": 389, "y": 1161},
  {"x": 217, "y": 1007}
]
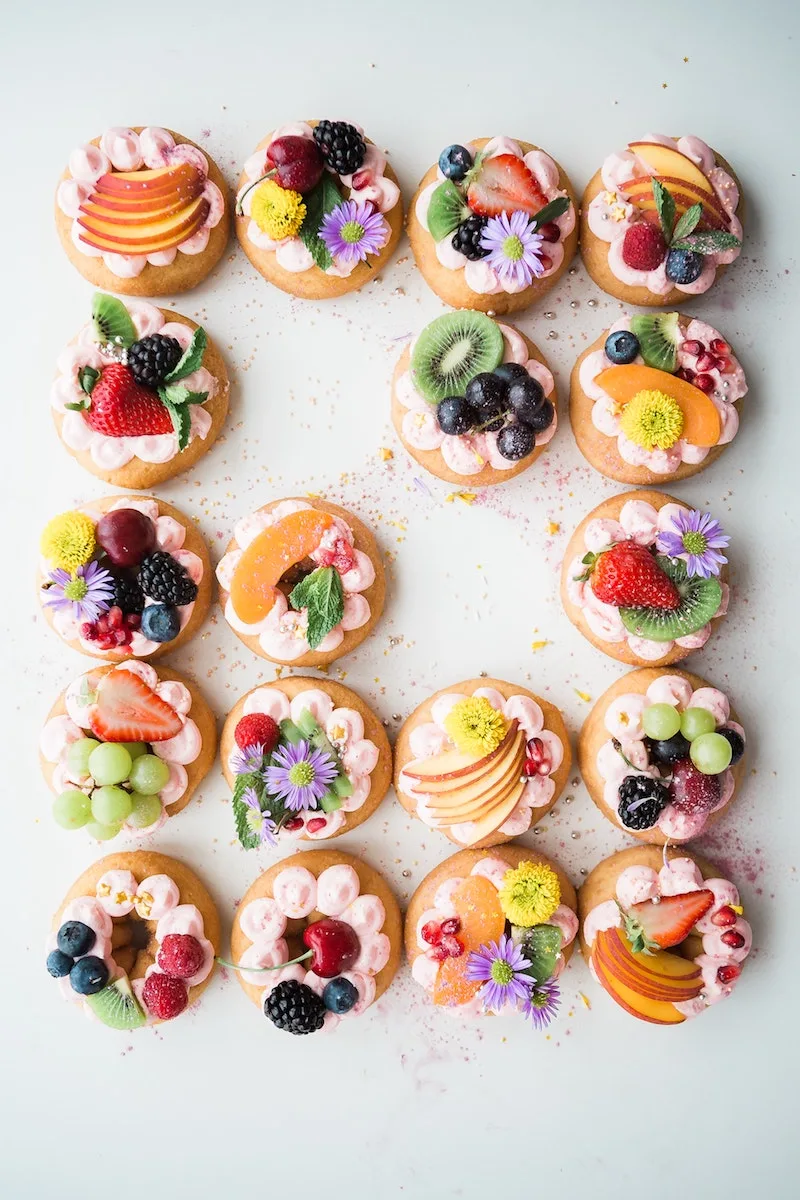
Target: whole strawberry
[
  {"x": 628, "y": 576},
  {"x": 119, "y": 407}
]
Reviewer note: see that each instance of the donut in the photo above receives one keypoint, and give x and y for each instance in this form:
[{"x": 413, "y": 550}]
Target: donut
[
  {"x": 662, "y": 933},
  {"x": 329, "y": 903},
  {"x": 124, "y": 577},
  {"x": 140, "y": 394},
  {"x": 108, "y": 186},
  {"x": 648, "y": 786},
  {"x": 316, "y": 721},
  {"x": 495, "y": 755},
  {"x": 661, "y": 220},
  {"x": 479, "y": 906},
  {"x": 477, "y": 455},
  {"x": 646, "y": 609},
  {"x": 470, "y": 205},
  {"x": 655, "y": 398},
  {"x": 318, "y": 209},
  {"x": 135, "y": 940},
  {"x": 298, "y": 571},
  {"x": 164, "y": 725}
]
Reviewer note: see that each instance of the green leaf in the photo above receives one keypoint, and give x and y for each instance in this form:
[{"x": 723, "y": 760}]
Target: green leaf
[
  {"x": 191, "y": 359},
  {"x": 245, "y": 834},
  {"x": 541, "y": 945},
  {"x": 556, "y": 208},
  {"x": 687, "y": 222},
  {"x": 181, "y": 421},
  {"x": 176, "y": 393},
  {"x": 665, "y": 206},
  {"x": 319, "y": 202},
  {"x": 707, "y": 243},
  {"x": 640, "y": 942},
  {"x": 321, "y": 594},
  {"x": 446, "y": 210},
  {"x": 87, "y": 378}
]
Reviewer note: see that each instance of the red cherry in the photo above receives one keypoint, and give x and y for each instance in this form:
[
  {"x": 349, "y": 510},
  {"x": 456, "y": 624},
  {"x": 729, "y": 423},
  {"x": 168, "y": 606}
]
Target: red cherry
[
  {"x": 550, "y": 231},
  {"x": 451, "y": 925},
  {"x": 732, "y": 938},
  {"x": 720, "y": 347},
  {"x": 692, "y": 347},
  {"x": 335, "y": 944},
  {"x": 126, "y": 535},
  {"x": 725, "y": 916},
  {"x": 431, "y": 933},
  {"x": 728, "y": 973},
  {"x": 297, "y": 161},
  {"x": 704, "y": 382}
]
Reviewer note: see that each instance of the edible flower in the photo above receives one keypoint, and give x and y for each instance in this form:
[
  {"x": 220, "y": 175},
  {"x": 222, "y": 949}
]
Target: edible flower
[
  {"x": 259, "y": 823},
  {"x": 529, "y": 894},
  {"x": 247, "y": 761},
  {"x": 514, "y": 248},
  {"x": 698, "y": 538},
  {"x": 68, "y": 541},
  {"x": 300, "y": 775},
  {"x": 543, "y": 1003},
  {"x": 652, "y": 420},
  {"x": 86, "y": 593},
  {"x": 474, "y": 726},
  {"x": 501, "y": 967},
  {"x": 352, "y": 231},
  {"x": 278, "y": 212}
]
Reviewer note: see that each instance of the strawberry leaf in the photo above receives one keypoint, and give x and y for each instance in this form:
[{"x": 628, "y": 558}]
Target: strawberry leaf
[
  {"x": 321, "y": 594},
  {"x": 687, "y": 222},
  {"x": 191, "y": 359},
  {"x": 319, "y": 202},
  {"x": 556, "y": 208},
  {"x": 665, "y": 207},
  {"x": 87, "y": 378},
  {"x": 707, "y": 243}
]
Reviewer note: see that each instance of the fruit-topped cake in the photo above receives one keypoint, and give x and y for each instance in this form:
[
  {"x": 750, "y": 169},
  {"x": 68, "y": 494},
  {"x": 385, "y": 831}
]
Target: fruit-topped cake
[
  {"x": 492, "y": 932},
  {"x": 662, "y": 933},
  {"x": 301, "y": 582},
  {"x": 660, "y": 220},
  {"x": 644, "y": 578},
  {"x": 124, "y": 747},
  {"x": 482, "y": 761},
  {"x": 305, "y": 758},
  {"x": 473, "y": 399},
  {"x": 318, "y": 209},
  {"x": 135, "y": 941},
  {"x": 655, "y": 398},
  {"x": 316, "y": 940},
  {"x": 140, "y": 394},
  {"x": 124, "y": 577},
  {"x": 662, "y": 754},
  {"x": 493, "y": 225},
  {"x": 142, "y": 212}
]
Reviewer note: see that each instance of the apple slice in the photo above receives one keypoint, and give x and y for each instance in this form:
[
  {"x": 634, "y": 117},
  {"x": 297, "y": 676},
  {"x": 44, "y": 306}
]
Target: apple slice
[
  {"x": 668, "y": 162},
  {"x": 657, "y": 1012},
  {"x": 171, "y": 233},
  {"x": 455, "y": 764},
  {"x": 702, "y": 425},
  {"x": 500, "y": 813},
  {"x": 456, "y": 781},
  {"x": 488, "y": 787}
]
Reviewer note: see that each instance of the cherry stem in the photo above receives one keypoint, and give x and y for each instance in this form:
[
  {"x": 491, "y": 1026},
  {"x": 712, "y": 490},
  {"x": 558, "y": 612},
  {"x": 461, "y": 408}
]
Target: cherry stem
[
  {"x": 224, "y": 962},
  {"x": 239, "y": 209}
]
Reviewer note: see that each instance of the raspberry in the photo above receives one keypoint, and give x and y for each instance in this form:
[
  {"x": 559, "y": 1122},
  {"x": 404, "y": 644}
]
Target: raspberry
[
  {"x": 643, "y": 247},
  {"x": 180, "y": 955},
  {"x": 691, "y": 791},
  {"x": 257, "y": 729},
  {"x": 164, "y": 995}
]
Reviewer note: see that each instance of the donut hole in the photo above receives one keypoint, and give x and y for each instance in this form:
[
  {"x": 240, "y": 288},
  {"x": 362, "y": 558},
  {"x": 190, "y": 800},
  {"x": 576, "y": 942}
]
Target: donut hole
[
  {"x": 133, "y": 944},
  {"x": 295, "y": 574},
  {"x": 293, "y": 934}
]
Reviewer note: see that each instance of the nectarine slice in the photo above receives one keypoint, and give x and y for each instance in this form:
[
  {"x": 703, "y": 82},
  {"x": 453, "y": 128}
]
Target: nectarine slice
[
  {"x": 669, "y": 162},
  {"x": 657, "y": 1012},
  {"x": 482, "y": 921},
  {"x": 701, "y": 421},
  {"x": 269, "y": 556}
]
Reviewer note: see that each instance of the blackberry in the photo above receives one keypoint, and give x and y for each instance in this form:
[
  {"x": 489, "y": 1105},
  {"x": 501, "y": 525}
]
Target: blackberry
[
  {"x": 641, "y": 801},
  {"x": 127, "y": 594},
  {"x": 467, "y": 238},
  {"x": 152, "y": 359},
  {"x": 162, "y": 578},
  {"x": 293, "y": 1007},
  {"x": 341, "y": 145}
]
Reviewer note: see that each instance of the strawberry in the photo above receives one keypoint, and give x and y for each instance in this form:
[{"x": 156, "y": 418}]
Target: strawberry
[
  {"x": 121, "y": 408},
  {"x": 628, "y": 576},
  {"x": 651, "y": 926},
  {"x": 504, "y": 184},
  {"x": 127, "y": 710}
]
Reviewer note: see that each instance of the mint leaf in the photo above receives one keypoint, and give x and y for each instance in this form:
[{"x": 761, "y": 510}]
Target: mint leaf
[
  {"x": 541, "y": 945},
  {"x": 319, "y": 202},
  {"x": 665, "y": 207},
  {"x": 87, "y": 378},
  {"x": 176, "y": 393},
  {"x": 556, "y": 208},
  {"x": 181, "y": 421},
  {"x": 191, "y": 359},
  {"x": 321, "y": 594},
  {"x": 707, "y": 243},
  {"x": 688, "y": 221},
  {"x": 245, "y": 834}
]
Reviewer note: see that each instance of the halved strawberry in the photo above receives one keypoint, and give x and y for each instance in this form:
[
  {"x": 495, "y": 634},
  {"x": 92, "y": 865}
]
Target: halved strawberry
[
  {"x": 504, "y": 184},
  {"x": 120, "y": 407},
  {"x": 652, "y": 926},
  {"x": 127, "y": 710}
]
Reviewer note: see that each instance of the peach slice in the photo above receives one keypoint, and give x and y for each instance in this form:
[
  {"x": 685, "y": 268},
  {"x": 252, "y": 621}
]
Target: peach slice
[
  {"x": 103, "y": 215},
  {"x": 640, "y": 193},
  {"x": 269, "y": 556},
  {"x": 482, "y": 921},
  {"x": 434, "y": 782},
  {"x": 661, "y": 977},
  {"x": 667, "y": 162},
  {"x": 159, "y": 181},
  {"x": 657, "y": 1012},
  {"x": 701, "y": 421},
  {"x": 148, "y": 238}
]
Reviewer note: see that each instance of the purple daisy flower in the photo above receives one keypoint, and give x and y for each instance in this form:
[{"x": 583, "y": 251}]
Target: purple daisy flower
[
  {"x": 698, "y": 538},
  {"x": 515, "y": 249},
  {"x": 300, "y": 775},
  {"x": 353, "y": 231},
  {"x": 247, "y": 761},
  {"x": 501, "y": 967},
  {"x": 86, "y": 593},
  {"x": 258, "y": 822},
  {"x": 543, "y": 1003}
]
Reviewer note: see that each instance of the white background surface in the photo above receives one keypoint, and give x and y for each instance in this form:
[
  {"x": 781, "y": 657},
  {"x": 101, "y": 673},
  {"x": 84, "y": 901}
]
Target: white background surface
[{"x": 407, "y": 1101}]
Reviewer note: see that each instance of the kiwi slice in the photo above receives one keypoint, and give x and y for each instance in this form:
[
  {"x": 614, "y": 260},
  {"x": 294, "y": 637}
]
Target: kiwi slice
[
  {"x": 446, "y": 210},
  {"x": 112, "y": 321},
  {"x": 700, "y": 600},
  {"x": 116, "y": 1005},
  {"x": 452, "y": 350},
  {"x": 658, "y": 335}
]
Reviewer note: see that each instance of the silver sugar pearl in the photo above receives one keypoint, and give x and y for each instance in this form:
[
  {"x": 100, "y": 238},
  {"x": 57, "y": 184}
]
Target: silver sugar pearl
[
  {"x": 573, "y": 271},
  {"x": 574, "y": 303},
  {"x": 575, "y": 835},
  {"x": 550, "y": 316},
  {"x": 568, "y": 799},
  {"x": 592, "y": 303},
  {"x": 406, "y": 874},
  {"x": 552, "y": 335},
  {"x": 584, "y": 871},
  {"x": 396, "y": 717}
]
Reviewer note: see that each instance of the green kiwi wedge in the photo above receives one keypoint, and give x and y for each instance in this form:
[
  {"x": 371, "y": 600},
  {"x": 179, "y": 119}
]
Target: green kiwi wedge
[
  {"x": 112, "y": 321},
  {"x": 452, "y": 350},
  {"x": 700, "y": 601},
  {"x": 116, "y": 1005},
  {"x": 446, "y": 210},
  {"x": 659, "y": 337}
]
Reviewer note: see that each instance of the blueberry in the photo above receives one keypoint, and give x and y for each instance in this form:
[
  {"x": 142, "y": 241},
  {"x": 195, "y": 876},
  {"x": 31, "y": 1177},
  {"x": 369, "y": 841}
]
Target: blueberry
[
  {"x": 736, "y": 743},
  {"x": 59, "y": 964},
  {"x": 543, "y": 417},
  {"x": 340, "y": 995},
  {"x": 525, "y": 397},
  {"x": 683, "y": 266},
  {"x": 515, "y": 441},
  {"x": 89, "y": 975},
  {"x": 488, "y": 393},
  {"x": 511, "y": 371},
  {"x": 160, "y": 622},
  {"x": 622, "y": 347},
  {"x": 75, "y": 938},
  {"x": 454, "y": 162},
  {"x": 456, "y": 415},
  {"x": 670, "y": 750}
]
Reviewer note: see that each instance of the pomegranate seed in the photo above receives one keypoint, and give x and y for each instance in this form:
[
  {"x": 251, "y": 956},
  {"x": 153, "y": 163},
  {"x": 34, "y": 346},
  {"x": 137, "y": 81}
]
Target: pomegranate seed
[
  {"x": 539, "y": 756},
  {"x": 438, "y": 953},
  {"x": 720, "y": 347},
  {"x": 114, "y": 617},
  {"x": 120, "y": 638},
  {"x": 704, "y": 382},
  {"x": 732, "y": 938},
  {"x": 451, "y": 925},
  {"x": 692, "y": 347},
  {"x": 546, "y": 261},
  {"x": 725, "y": 916},
  {"x": 316, "y": 824},
  {"x": 530, "y": 768},
  {"x": 87, "y": 630},
  {"x": 550, "y": 231},
  {"x": 724, "y": 366},
  {"x": 728, "y": 973},
  {"x": 453, "y": 945},
  {"x": 706, "y": 362},
  {"x": 685, "y": 373},
  {"x": 431, "y": 933},
  {"x": 133, "y": 620},
  {"x": 294, "y": 824},
  {"x": 361, "y": 179}
]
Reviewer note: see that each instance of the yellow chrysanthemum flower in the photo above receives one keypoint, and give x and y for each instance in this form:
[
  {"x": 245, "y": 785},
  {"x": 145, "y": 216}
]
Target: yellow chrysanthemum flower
[
  {"x": 474, "y": 726},
  {"x": 278, "y": 212},
  {"x": 653, "y": 420},
  {"x": 530, "y": 894},
  {"x": 68, "y": 541}
]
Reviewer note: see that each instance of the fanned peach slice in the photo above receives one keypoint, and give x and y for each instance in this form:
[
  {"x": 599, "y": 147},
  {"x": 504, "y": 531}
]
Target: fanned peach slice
[
  {"x": 670, "y": 163},
  {"x": 701, "y": 421},
  {"x": 657, "y": 1012},
  {"x": 148, "y": 238},
  {"x": 482, "y": 921},
  {"x": 661, "y": 976},
  {"x": 640, "y": 193},
  {"x": 160, "y": 181},
  {"x": 269, "y": 556}
]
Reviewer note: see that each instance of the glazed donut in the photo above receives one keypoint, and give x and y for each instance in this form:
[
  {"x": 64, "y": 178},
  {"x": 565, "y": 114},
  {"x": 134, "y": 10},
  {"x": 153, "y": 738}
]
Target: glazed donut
[
  {"x": 662, "y": 933},
  {"x": 135, "y": 940}
]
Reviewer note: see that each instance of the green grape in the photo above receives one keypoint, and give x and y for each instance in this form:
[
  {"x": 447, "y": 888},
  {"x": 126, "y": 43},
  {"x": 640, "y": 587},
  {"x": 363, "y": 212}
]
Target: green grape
[
  {"x": 711, "y": 753},
  {"x": 109, "y": 763},
  {"x": 695, "y": 722},
  {"x": 149, "y": 774},
  {"x": 102, "y": 833},
  {"x": 661, "y": 721},
  {"x": 72, "y": 809},
  {"x": 111, "y": 805},
  {"x": 78, "y": 757},
  {"x": 146, "y": 810},
  {"x": 135, "y": 749}
]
